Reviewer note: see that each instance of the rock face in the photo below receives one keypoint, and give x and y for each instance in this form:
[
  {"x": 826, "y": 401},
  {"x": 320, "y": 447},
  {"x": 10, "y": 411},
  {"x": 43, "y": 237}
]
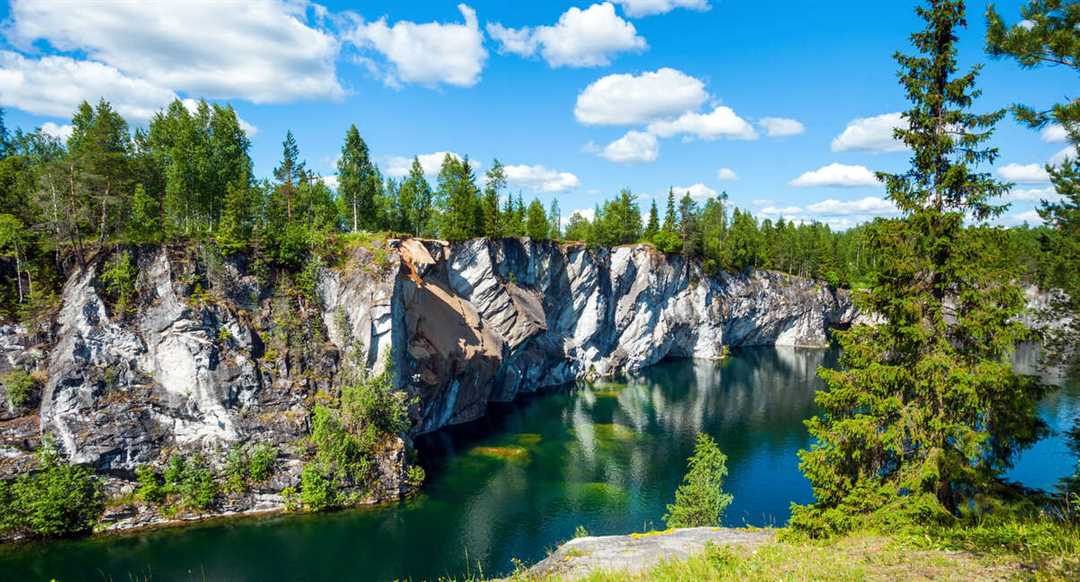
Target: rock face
[
  {"x": 212, "y": 353},
  {"x": 485, "y": 320},
  {"x": 637, "y": 553}
]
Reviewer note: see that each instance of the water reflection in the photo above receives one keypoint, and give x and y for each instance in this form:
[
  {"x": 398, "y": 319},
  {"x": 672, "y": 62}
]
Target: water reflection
[{"x": 607, "y": 456}]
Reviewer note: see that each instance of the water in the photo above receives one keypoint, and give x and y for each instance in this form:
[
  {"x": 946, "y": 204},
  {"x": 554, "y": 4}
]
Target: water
[{"x": 606, "y": 457}]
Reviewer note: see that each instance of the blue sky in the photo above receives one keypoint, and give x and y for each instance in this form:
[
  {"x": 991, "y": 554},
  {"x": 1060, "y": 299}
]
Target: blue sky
[{"x": 580, "y": 99}]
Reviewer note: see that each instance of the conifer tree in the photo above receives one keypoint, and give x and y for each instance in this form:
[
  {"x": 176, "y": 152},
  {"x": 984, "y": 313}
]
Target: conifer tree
[
  {"x": 670, "y": 221},
  {"x": 289, "y": 173},
  {"x": 925, "y": 411},
  {"x": 653, "y": 226},
  {"x": 555, "y": 219},
  {"x": 536, "y": 226},
  {"x": 416, "y": 200},
  {"x": 493, "y": 185},
  {"x": 354, "y": 180}
]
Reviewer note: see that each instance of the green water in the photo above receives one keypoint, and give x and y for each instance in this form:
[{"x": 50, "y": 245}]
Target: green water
[{"x": 606, "y": 456}]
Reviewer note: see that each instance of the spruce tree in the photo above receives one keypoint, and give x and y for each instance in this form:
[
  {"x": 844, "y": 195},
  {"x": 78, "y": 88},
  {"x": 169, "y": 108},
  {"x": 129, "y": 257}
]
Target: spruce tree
[
  {"x": 925, "y": 411},
  {"x": 536, "y": 225},
  {"x": 354, "y": 180},
  {"x": 555, "y": 219},
  {"x": 289, "y": 173},
  {"x": 653, "y": 226},
  {"x": 493, "y": 185}
]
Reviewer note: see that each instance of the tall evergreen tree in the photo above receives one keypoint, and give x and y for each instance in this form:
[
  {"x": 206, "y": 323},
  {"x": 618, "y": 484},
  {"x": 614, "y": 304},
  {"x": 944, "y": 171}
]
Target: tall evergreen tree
[
  {"x": 354, "y": 180},
  {"x": 670, "y": 220},
  {"x": 416, "y": 199},
  {"x": 925, "y": 411},
  {"x": 289, "y": 173},
  {"x": 493, "y": 185},
  {"x": 555, "y": 219},
  {"x": 653, "y": 226},
  {"x": 536, "y": 225}
]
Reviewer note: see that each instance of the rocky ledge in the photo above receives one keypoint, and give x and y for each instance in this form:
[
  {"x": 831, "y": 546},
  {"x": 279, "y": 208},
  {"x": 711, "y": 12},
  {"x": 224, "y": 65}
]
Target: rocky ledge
[{"x": 637, "y": 553}]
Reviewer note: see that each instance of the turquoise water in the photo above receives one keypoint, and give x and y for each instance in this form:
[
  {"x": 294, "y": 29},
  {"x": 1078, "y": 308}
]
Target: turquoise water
[{"x": 605, "y": 456}]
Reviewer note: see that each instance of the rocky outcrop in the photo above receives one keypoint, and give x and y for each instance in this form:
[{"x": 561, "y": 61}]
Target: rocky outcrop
[
  {"x": 637, "y": 553},
  {"x": 484, "y": 321},
  {"x": 213, "y": 353}
]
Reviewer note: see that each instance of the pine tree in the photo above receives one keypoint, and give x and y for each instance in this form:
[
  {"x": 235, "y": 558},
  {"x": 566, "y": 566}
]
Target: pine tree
[
  {"x": 536, "y": 226},
  {"x": 289, "y": 173},
  {"x": 493, "y": 185},
  {"x": 555, "y": 219},
  {"x": 416, "y": 200},
  {"x": 653, "y": 226},
  {"x": 354, "y": 180},
  {"x": 925, "y": 411},
  {"x": 700, "y": 500}
]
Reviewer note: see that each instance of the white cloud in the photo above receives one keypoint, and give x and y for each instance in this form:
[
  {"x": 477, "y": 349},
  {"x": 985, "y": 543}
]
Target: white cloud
[
  {"x": 1030, "y": 217},
  {"x": 633, "y": 148},
  {"x": 1054, "y": 134},
  {"x": 259, "y": 50},
  {"x": 638, "y": 8},
  {"x": 586, "y": 213},
  {"x": 1024, "y": 173},
  {"x": 1033, "y": 194},
  {"x": 399, "y": 166},
  {"x": 697, "y": 191},
  {"x": 192, "y": 106},
  {"x": 1069, "y": 152},
  {"x": 426, "y": 54},
  {"x": 780, "y": 126},
  {"x": 869, "y": 206},
  {"x": 839, "y": 175},
  {"x": 632, "y": 99},
  {"x": 777, "y": 211},
  {"x": 55, "y": 86},
  {"x": 541, "y": 179},
  {"x": 330, "y": 181},
  {"x": 60, "y": 132},
  {"x": 581, "y": 38},
  {"x": 871, "y": 134},
  {"x": 721, "y": 122},
  {"x": 726, "y": 175}
]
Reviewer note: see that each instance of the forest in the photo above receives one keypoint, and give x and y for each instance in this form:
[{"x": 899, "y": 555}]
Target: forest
[{"x": 188, "y": 177}]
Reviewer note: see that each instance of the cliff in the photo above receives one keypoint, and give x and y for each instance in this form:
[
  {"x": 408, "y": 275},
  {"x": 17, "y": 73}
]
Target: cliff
[{"x": 215, "y": 352}]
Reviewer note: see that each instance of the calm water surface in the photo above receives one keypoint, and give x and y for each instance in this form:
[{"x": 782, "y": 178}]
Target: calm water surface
[{"x": 606, "y": 456}]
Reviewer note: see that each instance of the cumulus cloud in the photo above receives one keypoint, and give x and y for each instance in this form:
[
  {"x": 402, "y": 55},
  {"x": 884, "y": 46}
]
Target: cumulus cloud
[
  {"x": 1033, "y": 194},
  {"x": 260, "y": 50},
  {"x": 871, "y": 134},
  {"x": 330, "y": 181},
  {"x": 581, "y": 38},
  {"x": 1069, "y": 152},
  {"x": 427, "y": 54},
  {"x": 726, "y": 175},
  {"x": 869, "y": 206},
  {"x": 722, "y": 122},
  {"x": 639, "y": 8},
  {"x": 697, "y": 191},
  {"x": 399, "y": 166},
  {"x": 636, "y": 147},
  {"x": 55, "y": 85},
  {"x": 838, "y": 175},
  {"x": 192, "y": 106},
  {"x": 632, "y": 99},
  {"x": 541, "y": 179},
  {"x": 1029, "y": 217},
  {"x": 1024, "y": 173},
  {"x": 1054, "y": 134},
  {"x": 780, "y": 126},
  {"x": 586, "y": 213},
  {"x": 60, "y": 132}
]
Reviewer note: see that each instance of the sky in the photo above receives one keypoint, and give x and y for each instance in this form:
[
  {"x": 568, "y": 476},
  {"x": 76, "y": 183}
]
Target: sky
[{"x": 786, "y": 105}]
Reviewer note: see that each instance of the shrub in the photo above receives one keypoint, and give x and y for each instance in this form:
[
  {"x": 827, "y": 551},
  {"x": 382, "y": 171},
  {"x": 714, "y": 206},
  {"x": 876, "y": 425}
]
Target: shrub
[
  {"x": 150, "y": 489},
  {"x": 415, "y": 476},
  {"x": 191, "y": 480},
  {"x": 19, "y": 386},
  {"x": 316, "y": 491},
  {"x": 119, "y": 276},
  {"x": 261, "y": 463},
  {"x": 57, "y": 499},
  {"x": 700, "y": 500},
  {"x": 236, "y": 470}
]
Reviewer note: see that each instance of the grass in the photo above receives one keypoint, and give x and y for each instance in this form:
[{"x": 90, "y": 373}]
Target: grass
[{"x": 1015, "y": 551}]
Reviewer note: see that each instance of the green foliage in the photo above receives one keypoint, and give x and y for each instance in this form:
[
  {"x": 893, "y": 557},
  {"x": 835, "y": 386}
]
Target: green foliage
[
  {"x": 119, "y": 276},
  {"x": 261, "y": 462},
  {"x": 347, "y": 433},
  {"x": 190, "y": 480},
  {"x": 925, "y": 411},
  {"x": 20, "y": 387},
  {"x": 151, "y": 488},
  {"x": 414, "y": 476},
  {"x": 700, "y": 500},
  {"x": 56, "y": 499},
  {"x": 247, "y": 465},
  {"x": 581, "y": 532},
  {"x": 536, "y": 225}
]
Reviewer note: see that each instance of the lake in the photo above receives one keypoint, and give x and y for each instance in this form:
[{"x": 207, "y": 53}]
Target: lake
[{"x": 605, "y": 456}]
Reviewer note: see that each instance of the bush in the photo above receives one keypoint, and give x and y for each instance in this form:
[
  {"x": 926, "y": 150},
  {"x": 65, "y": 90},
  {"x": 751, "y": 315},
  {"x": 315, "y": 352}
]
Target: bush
[
  {"x": 58, "y": 499},
  {"x": 700, "y": 500},
  {"x": 316, "y": 491},
  {"x": 19, "y": 386},
  {"x": 119, "y": 277},
  {"x": 261, "y": 464},
  {"x": 236, "y": 470},
  {"x": 150, "y": 488},
  {"x": 192, "y": 481},
  {"x": 415, "y": 476}
]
